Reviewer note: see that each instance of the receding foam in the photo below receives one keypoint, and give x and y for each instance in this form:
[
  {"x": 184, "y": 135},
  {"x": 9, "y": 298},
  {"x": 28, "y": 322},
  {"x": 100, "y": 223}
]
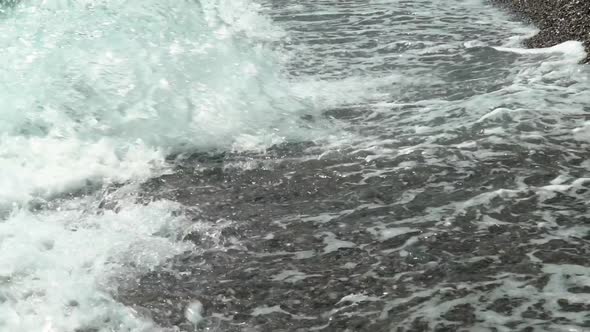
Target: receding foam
[{"x": 573, "y": 49}]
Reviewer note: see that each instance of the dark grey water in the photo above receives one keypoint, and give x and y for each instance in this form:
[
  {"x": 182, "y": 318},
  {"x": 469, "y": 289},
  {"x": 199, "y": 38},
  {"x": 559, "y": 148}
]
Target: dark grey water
[{"x": 313, "y": 166}]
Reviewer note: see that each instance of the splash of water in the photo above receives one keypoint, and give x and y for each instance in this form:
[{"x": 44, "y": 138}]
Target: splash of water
[{"x": 96, "y": 92}]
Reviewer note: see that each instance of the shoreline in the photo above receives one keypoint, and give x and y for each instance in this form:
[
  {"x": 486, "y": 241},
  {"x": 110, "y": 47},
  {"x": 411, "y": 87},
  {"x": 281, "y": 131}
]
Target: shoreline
[{"x": 557, "y": 20}]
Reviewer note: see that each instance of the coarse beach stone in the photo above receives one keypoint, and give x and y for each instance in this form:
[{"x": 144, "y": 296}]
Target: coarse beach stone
[{"x": 558, "y": 20}]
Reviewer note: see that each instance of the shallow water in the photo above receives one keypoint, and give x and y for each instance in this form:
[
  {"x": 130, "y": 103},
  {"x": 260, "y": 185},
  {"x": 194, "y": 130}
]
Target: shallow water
[{"x": 358, "y": 165}]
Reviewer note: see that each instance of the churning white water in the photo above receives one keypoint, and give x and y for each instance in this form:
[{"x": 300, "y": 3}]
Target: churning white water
[{"x": 95, "y": 93}]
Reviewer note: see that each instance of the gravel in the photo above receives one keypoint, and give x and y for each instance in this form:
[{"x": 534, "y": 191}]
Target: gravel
[{"x": 558, "y": 20}]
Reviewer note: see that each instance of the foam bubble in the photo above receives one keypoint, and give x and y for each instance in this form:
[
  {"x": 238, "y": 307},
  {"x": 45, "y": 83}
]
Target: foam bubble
[{"x": 194, "y": 312}]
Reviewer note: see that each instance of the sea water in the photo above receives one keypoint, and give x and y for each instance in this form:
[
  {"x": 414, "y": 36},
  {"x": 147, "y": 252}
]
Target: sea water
[{"x": 374, "y": 164}]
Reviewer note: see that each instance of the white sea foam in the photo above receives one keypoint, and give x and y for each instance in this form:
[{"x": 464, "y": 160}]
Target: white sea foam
[
  {"x": 95, "y": 92},
  {"x": 56, "y": 267},
  {"x": 117, "y": 84},
  {"x": 574, "y": 49},
  {"x": 100, "y": 92}
]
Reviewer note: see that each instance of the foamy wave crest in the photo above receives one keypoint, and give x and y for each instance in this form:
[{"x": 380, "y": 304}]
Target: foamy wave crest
[{"x": 120, "y": 84}]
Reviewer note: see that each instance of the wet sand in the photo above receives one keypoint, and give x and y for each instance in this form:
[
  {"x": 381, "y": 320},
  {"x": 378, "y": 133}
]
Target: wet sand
[{"x": 558, "y": 20}]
